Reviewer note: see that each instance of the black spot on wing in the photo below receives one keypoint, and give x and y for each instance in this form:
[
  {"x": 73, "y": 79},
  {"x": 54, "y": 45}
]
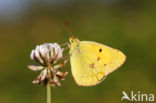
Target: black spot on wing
[{"x": 100, "y": 50}]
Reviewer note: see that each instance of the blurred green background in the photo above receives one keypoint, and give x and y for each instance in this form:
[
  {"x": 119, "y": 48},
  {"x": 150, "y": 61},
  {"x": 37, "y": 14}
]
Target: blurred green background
[{"x": 128, "y": 25}]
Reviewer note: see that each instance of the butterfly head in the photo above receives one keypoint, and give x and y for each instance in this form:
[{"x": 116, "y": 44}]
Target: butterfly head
[
  {"x": 73, "y": 40},
  {"x": 74, "y": 44}
]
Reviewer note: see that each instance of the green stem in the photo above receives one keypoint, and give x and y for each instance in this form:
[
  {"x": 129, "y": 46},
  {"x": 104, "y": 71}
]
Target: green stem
[{"x": 48, "y": 93}]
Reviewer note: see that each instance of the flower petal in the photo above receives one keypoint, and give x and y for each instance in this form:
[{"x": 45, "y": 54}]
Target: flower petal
[
  {"x": 41, "y": 77},
  {"x": 35, "y": 68}
]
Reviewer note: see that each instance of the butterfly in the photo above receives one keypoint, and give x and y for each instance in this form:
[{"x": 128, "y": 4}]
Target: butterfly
[{"x": 91, "y": 62}]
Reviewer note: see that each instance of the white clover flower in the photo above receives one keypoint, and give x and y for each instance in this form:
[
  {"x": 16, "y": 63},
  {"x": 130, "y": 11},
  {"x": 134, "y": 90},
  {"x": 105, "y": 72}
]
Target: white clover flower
[{"x": 47, "y": 55}]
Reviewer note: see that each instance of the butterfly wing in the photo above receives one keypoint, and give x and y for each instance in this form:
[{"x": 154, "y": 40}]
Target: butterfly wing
[{"x": 93, "y": 61}]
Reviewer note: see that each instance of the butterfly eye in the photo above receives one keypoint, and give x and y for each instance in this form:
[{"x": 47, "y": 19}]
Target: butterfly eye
[
  {"x": 71, "y": 40},
  {"x": 100, "y": 50}
]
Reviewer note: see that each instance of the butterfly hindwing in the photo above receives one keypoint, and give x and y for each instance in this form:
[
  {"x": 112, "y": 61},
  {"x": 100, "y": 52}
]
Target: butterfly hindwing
[{"x": 85, "y": 70}]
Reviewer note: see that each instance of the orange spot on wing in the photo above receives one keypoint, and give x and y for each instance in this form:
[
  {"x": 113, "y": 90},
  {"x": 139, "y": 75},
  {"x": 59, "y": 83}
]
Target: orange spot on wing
[
  {"x": 98, "y": 58},
  {"x": 91, "y": 65}
]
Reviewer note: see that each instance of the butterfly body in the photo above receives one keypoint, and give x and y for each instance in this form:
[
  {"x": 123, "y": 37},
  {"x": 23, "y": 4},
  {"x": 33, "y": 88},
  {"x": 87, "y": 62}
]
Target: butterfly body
[{"x": 91, "y": 62}]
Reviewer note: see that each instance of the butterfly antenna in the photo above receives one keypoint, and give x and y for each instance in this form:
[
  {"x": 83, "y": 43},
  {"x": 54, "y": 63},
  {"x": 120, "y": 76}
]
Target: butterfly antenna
[{"x": 68, "y": 28}]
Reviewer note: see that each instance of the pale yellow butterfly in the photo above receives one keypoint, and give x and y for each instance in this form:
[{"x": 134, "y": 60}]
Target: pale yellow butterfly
[{"x": 91, "y": 62}]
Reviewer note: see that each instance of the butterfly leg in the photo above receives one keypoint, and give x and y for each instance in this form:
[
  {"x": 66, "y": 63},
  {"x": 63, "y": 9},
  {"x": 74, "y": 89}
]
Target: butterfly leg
[
  {"x": 68, "y": 45},
  {"x": 64, "y": 44},
  {"x": 64, "y": 49}
]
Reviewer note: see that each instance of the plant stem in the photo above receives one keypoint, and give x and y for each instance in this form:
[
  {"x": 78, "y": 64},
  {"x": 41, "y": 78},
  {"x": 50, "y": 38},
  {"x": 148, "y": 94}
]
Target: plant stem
[{"x": 48, "y": 93}]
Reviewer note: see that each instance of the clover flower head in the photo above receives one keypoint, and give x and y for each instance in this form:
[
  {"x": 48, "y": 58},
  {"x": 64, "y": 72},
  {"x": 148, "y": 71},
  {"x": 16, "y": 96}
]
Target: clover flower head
[{"x": 48, "y": 55}]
